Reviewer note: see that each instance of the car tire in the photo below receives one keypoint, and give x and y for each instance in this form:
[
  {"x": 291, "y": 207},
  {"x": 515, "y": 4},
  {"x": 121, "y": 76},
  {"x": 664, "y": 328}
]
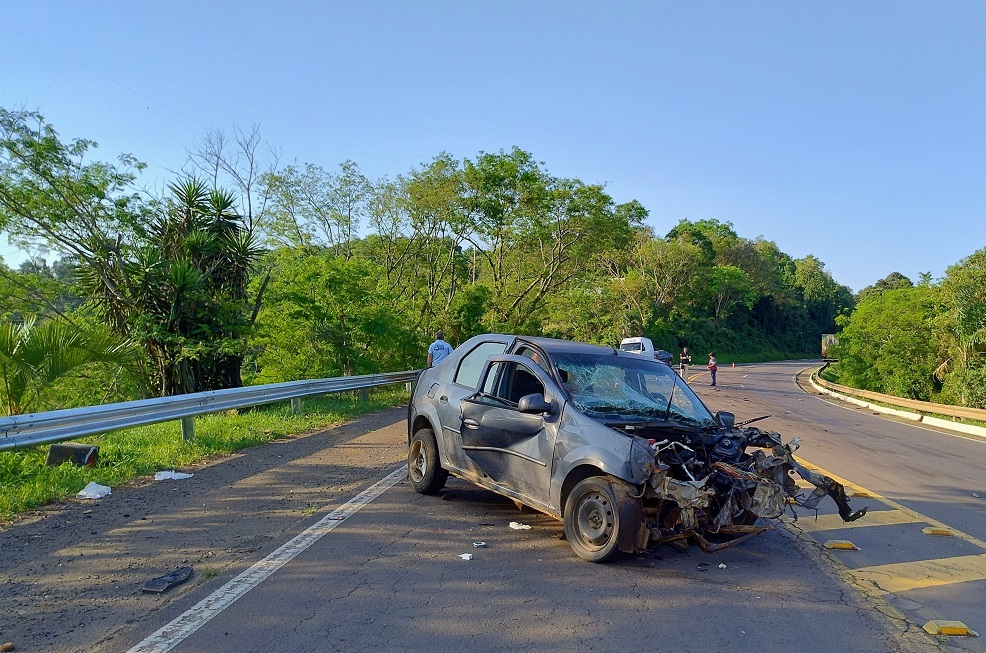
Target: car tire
[
  {"x": 592, "y": 519},
  {"x": 423, "y": 466}
]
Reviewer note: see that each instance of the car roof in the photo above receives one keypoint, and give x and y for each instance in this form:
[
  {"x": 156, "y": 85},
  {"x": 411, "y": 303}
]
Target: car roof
[{"x": 556, "y": 346}]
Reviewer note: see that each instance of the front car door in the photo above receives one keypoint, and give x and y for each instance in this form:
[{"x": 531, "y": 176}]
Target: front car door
[{"x": 511, "y": 448}]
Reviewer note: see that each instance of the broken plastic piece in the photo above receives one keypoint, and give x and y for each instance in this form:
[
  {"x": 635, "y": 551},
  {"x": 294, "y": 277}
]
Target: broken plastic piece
[
  {"x": 93, "y": 491},
  {"x": 479, "y": 544},
  {"x": 465, "y": 556},
  {"x": 722, "y": 565},
  {"x": 841, "y": 545},
  {"x": 162, "y": 583},
  {"x": 940, "y": 532},
  {"x": 517, "y": 526},
  {"x": 171, "y": 474}
]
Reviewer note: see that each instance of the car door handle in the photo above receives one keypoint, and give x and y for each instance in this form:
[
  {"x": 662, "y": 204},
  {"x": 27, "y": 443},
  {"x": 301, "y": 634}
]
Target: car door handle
[
  {"x": 443, "y": 399},
  {"x": 470, "y": 423}
]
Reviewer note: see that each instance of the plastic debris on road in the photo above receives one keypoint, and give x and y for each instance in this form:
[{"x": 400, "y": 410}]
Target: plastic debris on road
[
  {"x": 517, "y": 526},
  {"x": 171, "y": 474},
  {"x": 722, "y": 565},
  {"x": 479, "y": 544},
  {"x": 465, "y": 556},
  {"x": 93, "y": 491}
]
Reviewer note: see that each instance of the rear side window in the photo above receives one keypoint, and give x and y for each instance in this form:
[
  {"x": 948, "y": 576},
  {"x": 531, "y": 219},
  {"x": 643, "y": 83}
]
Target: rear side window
[{"x": 471, "y": 365}]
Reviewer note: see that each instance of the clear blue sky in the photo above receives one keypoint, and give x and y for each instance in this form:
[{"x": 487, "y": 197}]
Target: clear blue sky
[{"x": 854, "y": 131}]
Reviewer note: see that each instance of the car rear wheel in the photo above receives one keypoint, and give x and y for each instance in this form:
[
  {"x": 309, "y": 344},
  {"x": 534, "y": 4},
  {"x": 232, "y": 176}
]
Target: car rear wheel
[
  {"x": 423, "y": 467},
  {"x": 592, "y": 519}
]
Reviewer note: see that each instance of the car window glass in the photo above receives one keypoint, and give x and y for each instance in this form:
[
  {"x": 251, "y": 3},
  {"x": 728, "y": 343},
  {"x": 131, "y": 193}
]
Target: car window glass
[
  {"x": 518, "y": 381},
  {"x": 471, "y": 365},
  {"x": 533, "y": 355},
  {"x": 629, "y": 387},
  {"x": 488, "y": 387}
]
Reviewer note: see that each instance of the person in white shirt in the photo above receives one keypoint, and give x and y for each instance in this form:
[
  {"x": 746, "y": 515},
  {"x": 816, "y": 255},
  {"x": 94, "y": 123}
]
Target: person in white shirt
[{"x": 438, "y": 350}]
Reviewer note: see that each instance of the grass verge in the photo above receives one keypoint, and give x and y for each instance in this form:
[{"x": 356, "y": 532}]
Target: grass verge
[{"x": 27, "y": 482}]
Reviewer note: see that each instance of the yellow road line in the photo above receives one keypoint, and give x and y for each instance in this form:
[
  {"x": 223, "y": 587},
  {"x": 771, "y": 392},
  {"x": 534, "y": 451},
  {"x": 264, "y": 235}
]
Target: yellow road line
[
  {"x": 893, "y": 504},
  {"x": 875, "y": 518},
  {"x": 903, "y": 576}
]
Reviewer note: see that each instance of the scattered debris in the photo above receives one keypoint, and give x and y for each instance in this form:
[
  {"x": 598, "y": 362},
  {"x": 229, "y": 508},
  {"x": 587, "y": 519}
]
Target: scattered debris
[
  {"x": 517, "y": 526},
  {"x": 940, "y": 532},
  {"x": 465, "y": 556},
  {"x": 83, "y": 455},
  {"x": 479, "y": 545},
  {"x": 841, "y": 545},
  {"x": 722, "y": 565},
  {"x": 171, "y": 475},
  {"x": 93, "y": 491},
  {"x": 975, "y": 495},
  {"x": 162, "y": 583},
  {"x": 7, "y": 646}
]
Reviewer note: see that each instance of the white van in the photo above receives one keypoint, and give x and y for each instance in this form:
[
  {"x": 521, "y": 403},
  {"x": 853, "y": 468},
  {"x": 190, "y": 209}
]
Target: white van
[
  {"x": 645, "y": 347},
  {"x": 642, "y": 346}
]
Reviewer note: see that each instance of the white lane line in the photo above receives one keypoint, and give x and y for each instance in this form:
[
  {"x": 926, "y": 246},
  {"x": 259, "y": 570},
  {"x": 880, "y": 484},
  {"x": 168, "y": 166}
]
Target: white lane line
[{"x": 198, "y": 615}]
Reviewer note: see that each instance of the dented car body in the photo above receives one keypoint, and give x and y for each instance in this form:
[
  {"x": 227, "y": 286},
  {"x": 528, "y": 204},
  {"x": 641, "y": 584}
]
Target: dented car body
[{"x": 615, "y": 445}]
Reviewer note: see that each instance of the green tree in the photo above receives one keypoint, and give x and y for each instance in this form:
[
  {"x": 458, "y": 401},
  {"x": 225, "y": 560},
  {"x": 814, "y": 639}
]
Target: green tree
[
  {"x": 327, "y": 316},
  {"x": 961, "y": 332},
  {"x": 171, "y": 274},
  {"x": 886, "y": 344}
]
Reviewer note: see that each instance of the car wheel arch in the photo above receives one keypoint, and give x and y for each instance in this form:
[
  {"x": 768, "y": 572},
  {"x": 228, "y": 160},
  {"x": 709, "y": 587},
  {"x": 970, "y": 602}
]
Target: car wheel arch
[
  {"x": 574, "y": 477},
  {"x": 421, "y": 422}
]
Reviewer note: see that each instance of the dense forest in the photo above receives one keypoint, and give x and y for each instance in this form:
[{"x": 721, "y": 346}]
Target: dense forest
[{"x": 244, "y": 271}]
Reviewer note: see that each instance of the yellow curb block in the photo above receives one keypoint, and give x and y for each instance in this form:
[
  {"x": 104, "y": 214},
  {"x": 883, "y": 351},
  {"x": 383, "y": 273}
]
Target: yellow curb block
[
  {"x": 949, "y": 628},
  {"x": 842, "y": 545},
  {"x": 941, "y": 532}
]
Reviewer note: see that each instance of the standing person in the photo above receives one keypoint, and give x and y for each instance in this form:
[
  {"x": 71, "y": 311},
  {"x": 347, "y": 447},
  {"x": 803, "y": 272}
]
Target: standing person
[
  {"x": 684, "y": 361},
  {"x": 712, "y": 367},
  {"x": 438, "y": 350}
]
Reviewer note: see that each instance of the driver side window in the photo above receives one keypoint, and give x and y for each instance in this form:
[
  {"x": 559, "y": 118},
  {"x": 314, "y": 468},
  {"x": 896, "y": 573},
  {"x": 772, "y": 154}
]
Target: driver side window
[
  {"x": 506, "y": 383},
  {"x": 518, "y": 382}
]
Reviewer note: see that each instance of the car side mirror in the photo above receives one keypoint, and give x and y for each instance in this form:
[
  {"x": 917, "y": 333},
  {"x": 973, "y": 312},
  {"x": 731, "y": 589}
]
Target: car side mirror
[
  {"x": 534, "y": 404},
  {"x": 726, "y": 420}
]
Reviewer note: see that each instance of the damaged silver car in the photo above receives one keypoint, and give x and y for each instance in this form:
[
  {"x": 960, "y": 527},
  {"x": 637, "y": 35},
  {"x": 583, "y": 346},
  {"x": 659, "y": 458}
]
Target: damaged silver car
[{"x": 615, "y": 445}]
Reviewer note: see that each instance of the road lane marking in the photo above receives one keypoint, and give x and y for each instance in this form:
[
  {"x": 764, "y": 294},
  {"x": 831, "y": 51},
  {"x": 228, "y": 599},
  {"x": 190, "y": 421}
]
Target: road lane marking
[
  {"x": 918, "y": 517},
  {"x": 198, "y": 615},
  {"x": 903, "y": 576},
  {"x": 872, "y": 518}
]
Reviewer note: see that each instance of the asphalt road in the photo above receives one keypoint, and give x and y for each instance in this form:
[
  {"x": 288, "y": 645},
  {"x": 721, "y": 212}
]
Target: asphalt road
[{"x": 298, "y": 547}]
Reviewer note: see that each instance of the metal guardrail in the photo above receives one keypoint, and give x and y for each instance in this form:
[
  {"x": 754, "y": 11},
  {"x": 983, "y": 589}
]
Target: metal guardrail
[
  {"x": 22, "y": 431},
  {"x": 960, "y": 412}
]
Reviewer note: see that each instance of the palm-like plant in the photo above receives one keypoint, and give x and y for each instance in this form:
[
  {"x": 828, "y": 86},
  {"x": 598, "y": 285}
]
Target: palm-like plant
[{"x": 34, "y": 354}]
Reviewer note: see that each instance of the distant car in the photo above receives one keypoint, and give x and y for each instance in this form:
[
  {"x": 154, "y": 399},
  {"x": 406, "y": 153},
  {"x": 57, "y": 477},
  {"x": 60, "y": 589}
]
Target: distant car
[
  {"x": 645, "y": 347},
  {"x": 614, "y": 444}
]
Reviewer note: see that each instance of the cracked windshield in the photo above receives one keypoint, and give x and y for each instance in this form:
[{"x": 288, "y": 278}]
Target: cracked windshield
[{"x": 636, "y": 389}]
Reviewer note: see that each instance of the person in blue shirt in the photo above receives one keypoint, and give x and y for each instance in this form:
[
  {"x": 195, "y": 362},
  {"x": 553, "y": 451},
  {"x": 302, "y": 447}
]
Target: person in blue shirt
[{"x": 438, "y": 350}]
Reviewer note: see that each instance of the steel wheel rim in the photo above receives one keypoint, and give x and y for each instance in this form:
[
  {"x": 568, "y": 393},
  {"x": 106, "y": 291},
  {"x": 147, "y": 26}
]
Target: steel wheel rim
[
  {"x": 594, "y": 519},
  {"x": 417, "y": 464}
]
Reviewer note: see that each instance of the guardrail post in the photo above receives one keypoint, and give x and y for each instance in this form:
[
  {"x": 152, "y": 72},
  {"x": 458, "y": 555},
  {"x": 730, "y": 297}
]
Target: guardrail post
[
  {"x": 187, "y": 429},
  {"x": 296, "y": 405},
  {"x": 364, "y": 395}
]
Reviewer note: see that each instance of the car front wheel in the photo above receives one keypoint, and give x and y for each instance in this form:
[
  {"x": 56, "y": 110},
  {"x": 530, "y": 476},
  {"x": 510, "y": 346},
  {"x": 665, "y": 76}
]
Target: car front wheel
[
  {"x": 592, "y": 519},
  {"x": 423, "y": 467}
]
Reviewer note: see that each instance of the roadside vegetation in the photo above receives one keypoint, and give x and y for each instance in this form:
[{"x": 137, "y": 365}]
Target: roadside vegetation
[{"x": 924, "y": 341}]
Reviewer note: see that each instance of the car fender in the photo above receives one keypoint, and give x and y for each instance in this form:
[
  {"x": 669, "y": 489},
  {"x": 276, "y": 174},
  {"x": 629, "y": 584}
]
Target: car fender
[{"x": 617, "y": 464}]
